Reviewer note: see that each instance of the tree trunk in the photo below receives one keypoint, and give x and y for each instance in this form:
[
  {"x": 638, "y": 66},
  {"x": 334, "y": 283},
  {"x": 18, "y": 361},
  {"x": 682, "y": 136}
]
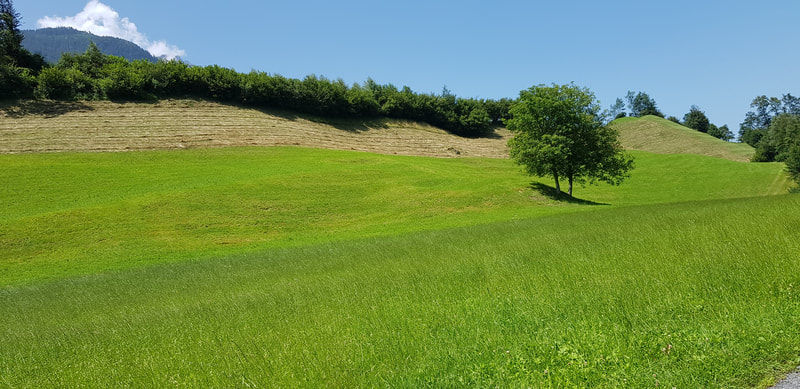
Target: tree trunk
[
  {"x": 570, "y": 186},
  {"x": 558, "y": 186}
]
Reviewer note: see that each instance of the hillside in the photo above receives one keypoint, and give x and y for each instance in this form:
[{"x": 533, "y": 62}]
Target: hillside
[
  {"x": 37, "y": 126},
  {"x": 193, "y": 264},
  {"x": 30, "y": 126},
  {"x": 658, "y": 135},
  {"x": 52, "y": 42}
]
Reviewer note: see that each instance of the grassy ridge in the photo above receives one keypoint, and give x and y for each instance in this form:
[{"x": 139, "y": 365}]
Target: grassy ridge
[
  {"x": 67, "y": 214},
  {"x": 658, "y": 135},
  {"x": 696, "y": 294}
]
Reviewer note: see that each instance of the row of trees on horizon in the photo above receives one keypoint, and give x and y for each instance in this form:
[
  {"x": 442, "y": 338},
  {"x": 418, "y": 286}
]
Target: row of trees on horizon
[{"x": 96, "y": 76}]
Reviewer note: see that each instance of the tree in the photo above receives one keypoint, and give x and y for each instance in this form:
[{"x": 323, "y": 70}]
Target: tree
[
  {"x": 720, "y": 132},
  {"x": 617, "y": 110},
  {"x": 640, "y": 104},
  {"x": 783, "y": 140},
  {"x": 696, "y": 119},
  {"x": 559, "y": 132},
  {"x": 17, "y": 66},
  {"x": 755, "y": 128},
  {"x": 793, "y": 165},
  {"x": 11, "y": 51},
  {"x": 756, "y": 122},
  {"x": 784, "y": 135},
  {"x": 497, "y": 109},
  {"x": 10, "y": 35}
]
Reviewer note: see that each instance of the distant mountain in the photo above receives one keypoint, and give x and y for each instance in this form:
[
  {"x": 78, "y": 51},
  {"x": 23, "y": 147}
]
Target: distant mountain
[{"x": 51, "y": 42}]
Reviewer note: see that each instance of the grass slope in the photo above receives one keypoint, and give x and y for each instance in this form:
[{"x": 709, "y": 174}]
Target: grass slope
[
  {"x": 698, "y": 294},
  {"x": 37, "y": 126},
  {"x": 46, "y": 126},
  {"x": 658, "y": 135},
  {"x": 287, "y": 266},
  {"x": 79, "y": 213}
]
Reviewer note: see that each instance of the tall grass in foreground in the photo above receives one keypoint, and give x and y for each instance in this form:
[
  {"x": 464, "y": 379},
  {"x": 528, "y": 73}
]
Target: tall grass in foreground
[{"x": 700, "y": 294}]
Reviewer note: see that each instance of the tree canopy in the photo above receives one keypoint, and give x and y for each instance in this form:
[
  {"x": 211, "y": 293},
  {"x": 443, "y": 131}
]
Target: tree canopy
[
  {"x": 18, "y": 66},
  {"x": 11, "y": 51},
  {"x": 96, "y": 76},
  {"x": 10, "y": 35},
  {"x": 559, "y": 132},
  {"x": 696, "y": 119},
  {"x": 773, "y": 128},
  {"x": 641, "y": 104},
  {"x": 722, "y": 132},
  {"x": 784, "y": 135},
  {"x": 783, "y": 139},
  {"x": 756, "y": 128}
]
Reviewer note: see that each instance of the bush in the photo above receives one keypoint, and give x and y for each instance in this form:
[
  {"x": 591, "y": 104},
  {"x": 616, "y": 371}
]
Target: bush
[
  {"x": 720, "y": 132},
  {"x": 764, "y": 153},
  {"x": 220, "y": 83},
  {"x": 752, "y": 136},
  {"x": 164, "y": 78},
  {"x": 361, "y": 102},
  {"x": 16, "y": 82},
  {"x": 122, "y": 81},
  {"x": 475, "y": 123},
  {"x": 93, "y": 75},
  {"x": 60, "y": 83},
  {"x": 320, "y": 96},
  {"x": 498, "y": 110}
]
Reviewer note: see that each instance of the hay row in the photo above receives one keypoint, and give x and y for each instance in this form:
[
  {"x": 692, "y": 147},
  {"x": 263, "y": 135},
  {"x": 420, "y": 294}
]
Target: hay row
[{"x": 177, "y": 124}]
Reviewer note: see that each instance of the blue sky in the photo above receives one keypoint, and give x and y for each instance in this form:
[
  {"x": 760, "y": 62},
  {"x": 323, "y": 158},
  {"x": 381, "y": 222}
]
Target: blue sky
[{"x": 718, "y": 55}]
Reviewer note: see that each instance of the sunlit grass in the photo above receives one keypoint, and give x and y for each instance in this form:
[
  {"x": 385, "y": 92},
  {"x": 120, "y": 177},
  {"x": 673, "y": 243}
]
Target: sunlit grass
[
  {"x": 697, "y": 294},
  {"x": 658, "y": 135},
  {"x": 299, "y": 267},
  {"x": 68, "y": 214}
]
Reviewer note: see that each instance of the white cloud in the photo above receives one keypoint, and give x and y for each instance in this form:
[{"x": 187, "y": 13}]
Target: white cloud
[{"x": 100, "y": 19}]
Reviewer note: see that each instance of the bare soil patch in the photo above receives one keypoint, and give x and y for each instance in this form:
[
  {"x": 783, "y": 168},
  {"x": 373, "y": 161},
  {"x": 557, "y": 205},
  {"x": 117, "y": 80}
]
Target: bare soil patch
[{"x": 178, "y": 124}]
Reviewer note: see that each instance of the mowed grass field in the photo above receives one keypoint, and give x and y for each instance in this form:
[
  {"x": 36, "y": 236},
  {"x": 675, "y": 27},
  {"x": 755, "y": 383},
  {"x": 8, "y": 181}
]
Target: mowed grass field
[
  {"x": 79, "y": 213},
  {"x": 289, "y": 266},
  {"x": 659, "y": 135},
  {"x": 57, "y": 126}
]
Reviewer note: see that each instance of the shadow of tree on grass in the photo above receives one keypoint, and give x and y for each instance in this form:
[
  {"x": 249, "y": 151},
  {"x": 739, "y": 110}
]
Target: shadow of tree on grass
[
  {"x": 353, "y": 124},
  {"x": 45, "y": 108},
  {"x": 551, "y": 193}
]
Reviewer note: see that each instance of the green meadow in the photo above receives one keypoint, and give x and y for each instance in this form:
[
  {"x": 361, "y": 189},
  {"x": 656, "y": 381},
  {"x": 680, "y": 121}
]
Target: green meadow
[
  {"x": 286, "y": 267},
  {"x": 70, "y": 214}
]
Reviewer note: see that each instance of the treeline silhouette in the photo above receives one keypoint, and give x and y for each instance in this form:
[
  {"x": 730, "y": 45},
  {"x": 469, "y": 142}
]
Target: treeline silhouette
[{"x": 95, "y": 76}]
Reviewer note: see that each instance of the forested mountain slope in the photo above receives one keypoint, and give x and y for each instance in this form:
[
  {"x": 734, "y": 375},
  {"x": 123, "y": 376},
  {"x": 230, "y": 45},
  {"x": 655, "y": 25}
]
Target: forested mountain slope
[{"x": 52, "y": 42}]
